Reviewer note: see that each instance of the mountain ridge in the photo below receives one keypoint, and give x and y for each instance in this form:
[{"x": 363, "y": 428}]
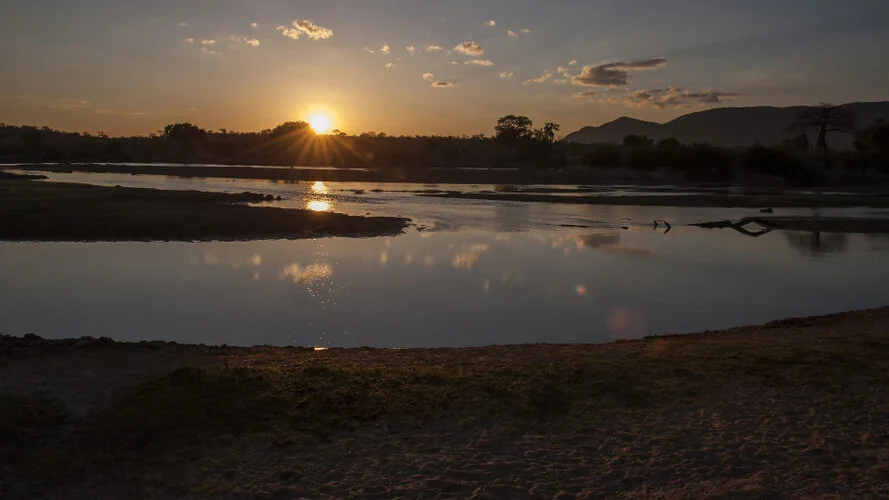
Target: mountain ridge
[{"x": 727, "y": 126}]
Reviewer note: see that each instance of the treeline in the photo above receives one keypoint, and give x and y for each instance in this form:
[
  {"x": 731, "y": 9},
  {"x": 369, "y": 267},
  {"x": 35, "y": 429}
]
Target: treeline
[
  {"x": 515, "y": 143},
  {"x": 796, "y": 160},
  {"x": 288, "y": 144}
]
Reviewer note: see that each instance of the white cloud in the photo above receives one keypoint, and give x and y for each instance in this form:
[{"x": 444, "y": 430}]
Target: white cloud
[
  {"x": 305, "y": 27},
  {"x": 182, "y": 25},
  {"x": 369, "y": 50},
  {"x": 491, "y": 23},
  {"x": 455, "y": 63},
  {"x": 480, "y": 62},
  {"x": 564, "y": 71},
  {"x": 441, "y": 85},
  {"x": 390, "y": 65},
  {"x": 252, "y": 42},
  {"x": 542, "y": 78},
  {"x": 560, "y": 81},
  {"x": 512, "y": 34},
  {"x": 385, "y": 49},
  {"x": 208, "y": 42},
  {"x": 615, "y": 74},
  {"x": 428, "y": 77},
  {"x": 189, "y": 40},
  {"x": 433, "y": 48},
  {"x": 253, "y": 25},
  {"x": 573, "y": 62},
  {"x": 526, "y": 31},
  {"x": 470, "y": 49},
  {"x": 411, "y": 49},
  {"x": 506, "y": 74},
  {"x": 586, "y": 95},
  {"x": 207, "y": 50}
]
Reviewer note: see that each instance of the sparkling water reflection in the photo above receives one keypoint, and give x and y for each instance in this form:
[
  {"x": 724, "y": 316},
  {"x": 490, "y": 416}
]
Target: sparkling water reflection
[{"x": 458, "y": 288}]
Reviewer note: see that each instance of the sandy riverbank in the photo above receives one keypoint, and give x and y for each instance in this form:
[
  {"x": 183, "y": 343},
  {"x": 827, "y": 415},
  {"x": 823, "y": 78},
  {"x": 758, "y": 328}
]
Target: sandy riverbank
[
  {"x": 795, "y": 408},
  {"x": 54, "y": 211}
]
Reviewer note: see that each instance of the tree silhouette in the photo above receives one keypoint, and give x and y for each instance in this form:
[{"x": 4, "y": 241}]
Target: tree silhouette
[
  {"x": 638, "y": 141},
  {"x": 185, "y": 135},
  {"x": 511, "y": 129},
  {"x": 824, "y": 118},
  {"x": 291, "y": 128}
]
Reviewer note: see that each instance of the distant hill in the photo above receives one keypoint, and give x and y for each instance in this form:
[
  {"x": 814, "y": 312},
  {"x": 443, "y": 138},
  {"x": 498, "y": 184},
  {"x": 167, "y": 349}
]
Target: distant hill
[{"x": 728, "y": 126}]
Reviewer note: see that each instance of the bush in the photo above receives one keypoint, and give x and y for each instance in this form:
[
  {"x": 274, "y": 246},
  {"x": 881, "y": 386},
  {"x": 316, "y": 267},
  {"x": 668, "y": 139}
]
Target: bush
[
  {"x": 603, "y": 155},
  {"x": 763, "y": 160}
]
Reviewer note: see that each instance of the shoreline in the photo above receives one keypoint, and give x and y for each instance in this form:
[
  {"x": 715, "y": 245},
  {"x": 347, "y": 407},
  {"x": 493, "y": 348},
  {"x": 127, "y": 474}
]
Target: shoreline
[
  {"x": 568, "y": 175},
  {"x": 775, "y": 410},
  {"x": 35, "y": 210}
]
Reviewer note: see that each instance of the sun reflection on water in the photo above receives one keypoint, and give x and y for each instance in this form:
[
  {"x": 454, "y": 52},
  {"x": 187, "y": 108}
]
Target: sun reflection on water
[
  {"x": 318, "y": 206},
  {"x": 319, "y": 188}
]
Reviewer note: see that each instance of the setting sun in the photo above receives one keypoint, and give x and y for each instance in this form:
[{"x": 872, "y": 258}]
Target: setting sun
[{"x": 320, "y": 123}]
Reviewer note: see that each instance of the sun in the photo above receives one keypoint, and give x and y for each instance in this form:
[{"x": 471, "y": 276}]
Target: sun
[{"x": 320, "y": 123}]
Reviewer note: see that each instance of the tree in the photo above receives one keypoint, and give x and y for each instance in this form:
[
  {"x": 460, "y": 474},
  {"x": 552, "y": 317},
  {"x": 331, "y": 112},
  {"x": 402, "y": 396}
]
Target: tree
[
  {"x": 637, "y": 141},
  {"x": 511, "y": 129},
  {"x": 874, "y": 138},
  {"x": 291, "y": 128},
  {"x": 669, "y": 144},
  {"x": 185, "y": 135},
  {"x": 547, "y": 134},
  {"x": 823, "y": 119}
]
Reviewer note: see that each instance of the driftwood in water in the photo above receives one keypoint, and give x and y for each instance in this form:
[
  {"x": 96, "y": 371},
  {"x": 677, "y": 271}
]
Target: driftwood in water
[{"x": 740, "y": 226}]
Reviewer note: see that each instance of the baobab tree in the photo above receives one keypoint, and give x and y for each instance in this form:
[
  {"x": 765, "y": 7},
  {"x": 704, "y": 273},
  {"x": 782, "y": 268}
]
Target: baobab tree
[{"x": 824, "y": 118}]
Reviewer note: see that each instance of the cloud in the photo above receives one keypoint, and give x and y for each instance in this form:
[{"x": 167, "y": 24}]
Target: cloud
[
  {"x": 252, "y": 42},
  {"x": 411, "y": 49},
  {"x": 480, "y": 62},
  {"x": 433, "y": 48},
  {"x": 209, "y": 51},
  {"x": 674, "y": 96},
  {"x": 390, "y": 65},
  {"x": 560, "y": 81},
  {"x": 254, "y": 25},
  {"x": 305, "y": 27},
  {"x": 441, "y": 85},
  {"x": 512, "y": 33},
  {"x": 208, "y": 42},
  {"x": 573, "y": 62},
  {"x": 385, "y": 49},
  {"x": 542, "y": 78},
  {"x": 182, "y": 25},
  {"x": 428, "y": 77},
  {"x": 506, "y": 75},
  {"x": 526, "y": 31},
  {"x": 564, "y": 71},
  {"x": 189, "y": 40},
  {"x": 615, "y": 74},
  {"x": 369, "y": 50},
  {"x": 455, "y": 63},
  {"x": 491, "y": 23},
  {"x": 586, "y": 95},
  {"x": 470, "y": 49}
]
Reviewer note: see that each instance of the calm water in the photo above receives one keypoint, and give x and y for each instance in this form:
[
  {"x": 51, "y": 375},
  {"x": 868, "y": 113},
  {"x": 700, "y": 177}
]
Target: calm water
[{"x": 481, "y": 273}]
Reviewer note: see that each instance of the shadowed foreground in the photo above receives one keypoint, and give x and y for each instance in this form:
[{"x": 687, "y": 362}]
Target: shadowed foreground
[
  {"x": 53, "y": 211},
  {"x": 796, "y": 408}
]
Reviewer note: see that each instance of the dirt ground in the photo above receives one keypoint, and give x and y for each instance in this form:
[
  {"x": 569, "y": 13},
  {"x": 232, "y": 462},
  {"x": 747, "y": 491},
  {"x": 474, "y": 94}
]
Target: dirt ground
[
  {"x": 55, "y": 211},
  {"x": 792, "y": 409}
]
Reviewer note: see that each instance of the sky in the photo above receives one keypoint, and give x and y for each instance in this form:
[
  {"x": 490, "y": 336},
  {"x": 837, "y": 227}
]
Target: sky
[{"x": 409, "y": 67}]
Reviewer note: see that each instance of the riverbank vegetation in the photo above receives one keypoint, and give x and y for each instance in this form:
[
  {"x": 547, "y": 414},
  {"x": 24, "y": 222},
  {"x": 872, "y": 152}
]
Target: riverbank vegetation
[{"x": 515, "y": 144}]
